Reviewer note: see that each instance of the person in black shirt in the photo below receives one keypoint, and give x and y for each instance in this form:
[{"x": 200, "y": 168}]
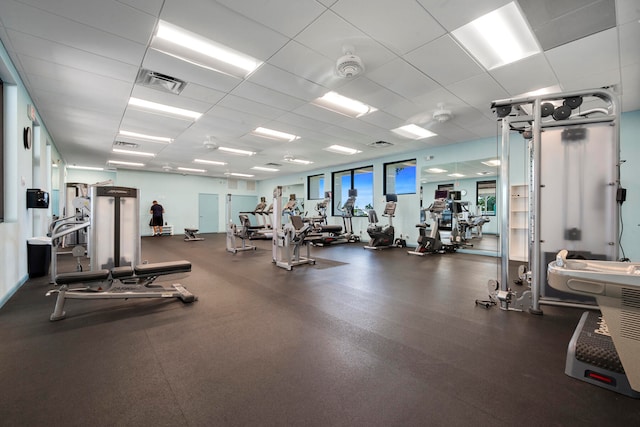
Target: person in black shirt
[{"x": 156, "y": 219}]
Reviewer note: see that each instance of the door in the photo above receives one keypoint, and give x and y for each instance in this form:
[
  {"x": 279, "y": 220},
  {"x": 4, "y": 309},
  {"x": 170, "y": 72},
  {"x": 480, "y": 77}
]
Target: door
[{"x": 208, "y": 213}]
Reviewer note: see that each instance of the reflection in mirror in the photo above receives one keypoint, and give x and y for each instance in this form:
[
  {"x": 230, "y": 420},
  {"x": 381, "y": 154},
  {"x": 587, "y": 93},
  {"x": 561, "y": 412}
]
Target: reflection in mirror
[{"x": 475, "y": 181}]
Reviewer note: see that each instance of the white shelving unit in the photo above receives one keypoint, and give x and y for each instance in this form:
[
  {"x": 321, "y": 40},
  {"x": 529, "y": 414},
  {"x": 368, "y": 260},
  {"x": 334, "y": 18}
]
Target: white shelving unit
[{"x": 518, "y": 223}]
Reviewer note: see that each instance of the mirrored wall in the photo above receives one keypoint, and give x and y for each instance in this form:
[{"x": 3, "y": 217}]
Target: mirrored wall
[{"x": 477, "y": 182}]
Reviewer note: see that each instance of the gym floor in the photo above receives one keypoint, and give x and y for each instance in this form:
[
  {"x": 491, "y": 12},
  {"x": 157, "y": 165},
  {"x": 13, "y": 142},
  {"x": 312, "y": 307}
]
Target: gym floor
[{"x": 361, "y": 338}]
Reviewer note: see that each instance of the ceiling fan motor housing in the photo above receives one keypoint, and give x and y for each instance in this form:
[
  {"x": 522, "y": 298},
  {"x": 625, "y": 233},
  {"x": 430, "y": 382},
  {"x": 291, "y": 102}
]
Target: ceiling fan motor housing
[{"x": 349, "y": 66}]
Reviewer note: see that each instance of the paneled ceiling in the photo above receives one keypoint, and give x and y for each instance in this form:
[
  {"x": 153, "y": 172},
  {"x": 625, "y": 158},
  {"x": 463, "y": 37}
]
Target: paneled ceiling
[{"x": 79, "y": 60}]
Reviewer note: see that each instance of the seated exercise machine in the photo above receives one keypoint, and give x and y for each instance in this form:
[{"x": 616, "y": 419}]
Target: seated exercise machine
[
  {"x": 347, "y": 211},
  {"x": 384, "y": 237},
  {"x": 116, "y": 271},
  {"x": 191, "y": 235},
  {"x": 290, "y": 238},
  {"x": 605, "y": 348},
  {"x": 120, "y": 283},
  {"x": 324, "y": 234},
  {"x": 431, "y": 243},
  {"x": 241, "y": 231}
]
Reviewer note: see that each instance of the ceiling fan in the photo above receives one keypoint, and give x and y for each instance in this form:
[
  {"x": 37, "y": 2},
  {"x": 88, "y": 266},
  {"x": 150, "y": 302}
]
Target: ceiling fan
[{"x": 431, "y": 117}]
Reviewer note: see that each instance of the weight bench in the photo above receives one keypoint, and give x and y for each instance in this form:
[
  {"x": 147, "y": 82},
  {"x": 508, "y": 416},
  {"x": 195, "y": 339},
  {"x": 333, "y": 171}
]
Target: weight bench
[
  {"x": 120, "y": 283},
  {"x": 191, "y": 235}
]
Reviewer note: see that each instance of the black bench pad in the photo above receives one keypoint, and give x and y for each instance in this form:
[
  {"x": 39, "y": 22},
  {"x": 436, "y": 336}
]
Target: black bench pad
[
  {"x": 82, "y": 276},
  {"x": 162, "y": 268},
  {"x": 123, "y": 271}
]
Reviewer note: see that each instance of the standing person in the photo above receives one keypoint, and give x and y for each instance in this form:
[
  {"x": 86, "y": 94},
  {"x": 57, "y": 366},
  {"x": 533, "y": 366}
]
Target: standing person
[{"x": 157, "y": 219}]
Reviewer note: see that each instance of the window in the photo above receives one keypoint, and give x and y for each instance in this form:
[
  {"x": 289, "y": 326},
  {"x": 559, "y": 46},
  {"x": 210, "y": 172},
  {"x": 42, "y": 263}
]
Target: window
[
  {"x": 315, "y": 187},
  {"x": 360, "y": 179},
  {"x": 486, "y": 193},
  {"x": 400, "y": 177}
]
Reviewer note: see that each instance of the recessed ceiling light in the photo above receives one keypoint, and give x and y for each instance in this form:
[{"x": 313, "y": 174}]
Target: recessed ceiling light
[
  {"x": 119, "y": 162},
  {"x": 413, "y": 132},
  {"x": 237, "y": 151},
  {"x": 274, "y": 134},
  {"x": 498, "y": 38},
  {"x": 292, "y": 159},
  {"x": 209, "y": 162},
  {"x": 342, "y": 150},
  {"x": 494, "y": 162},
  {"x": 89, "y": 168},
  {"x": 162, "y": 108},
  {"x": 133, "y": 153},
  {"x": 198, "y": 50},
  {"x": 264, "y": 169},
  {"x": 436, "y": 170},
  {"x": 341, "y": 104},
  {"x": 137, "y": 135},
  {"x": 243, "y": 175},
  {"x": 191, "y": 170},
  {"x": 456, "y": 175}
]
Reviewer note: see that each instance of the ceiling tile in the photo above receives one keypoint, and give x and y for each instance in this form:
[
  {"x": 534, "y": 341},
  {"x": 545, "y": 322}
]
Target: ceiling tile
[
  {"x": 526, "y": 75},
  {"x": 381, "y": 19},
  {"x": 430, "y": 59},
  {"x": 592, "y": 55},
  {"x": 283, "y": 16},
  {"x": 478, "y": 91},
  {"x": 452, "y": 14},
  {"x": 402, "y": 78}
]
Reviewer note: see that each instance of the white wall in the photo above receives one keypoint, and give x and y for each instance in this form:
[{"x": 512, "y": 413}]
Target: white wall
[{"x": 177, "y": 193}]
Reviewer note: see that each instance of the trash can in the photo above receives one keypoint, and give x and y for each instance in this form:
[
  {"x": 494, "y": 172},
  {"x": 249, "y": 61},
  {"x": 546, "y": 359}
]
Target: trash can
[{"x": 38, "y": 256}]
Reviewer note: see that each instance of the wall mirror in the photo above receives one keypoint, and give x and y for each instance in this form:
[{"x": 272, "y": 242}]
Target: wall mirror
[{"x": 478, "y": 182}]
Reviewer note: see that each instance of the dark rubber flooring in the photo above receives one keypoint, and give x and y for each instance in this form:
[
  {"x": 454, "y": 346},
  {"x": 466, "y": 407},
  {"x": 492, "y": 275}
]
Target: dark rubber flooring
[{"x": 361, "y": 338}]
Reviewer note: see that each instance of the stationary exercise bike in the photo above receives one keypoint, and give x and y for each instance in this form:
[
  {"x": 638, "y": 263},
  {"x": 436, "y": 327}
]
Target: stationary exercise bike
[{"x": 384, "y": 237}]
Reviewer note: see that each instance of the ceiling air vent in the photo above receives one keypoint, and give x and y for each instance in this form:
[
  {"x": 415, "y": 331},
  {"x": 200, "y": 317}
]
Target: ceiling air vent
[
  {"x": 125, "y": 144},
  {"x": 380, "y": 144},
  {"x": 273, "y": 164},
  {"x": 159, "y": 81}
]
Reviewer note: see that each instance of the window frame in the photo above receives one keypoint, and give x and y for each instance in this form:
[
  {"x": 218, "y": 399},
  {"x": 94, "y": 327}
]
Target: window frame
[
  {"x": 396, "y": 164},
  {"x": 482, "y": 201},
  {"x": 321, "y": 186},
  {"x": 358, "y": 212}
]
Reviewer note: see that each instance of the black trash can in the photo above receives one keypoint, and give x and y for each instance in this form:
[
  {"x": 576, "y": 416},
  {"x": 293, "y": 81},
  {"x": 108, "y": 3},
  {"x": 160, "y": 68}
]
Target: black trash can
[{"x": 38, "y": 256}]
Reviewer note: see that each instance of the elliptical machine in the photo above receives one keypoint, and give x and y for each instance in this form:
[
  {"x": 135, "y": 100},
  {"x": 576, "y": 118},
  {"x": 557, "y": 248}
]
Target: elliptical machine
[{"x": 384, "y": 237}]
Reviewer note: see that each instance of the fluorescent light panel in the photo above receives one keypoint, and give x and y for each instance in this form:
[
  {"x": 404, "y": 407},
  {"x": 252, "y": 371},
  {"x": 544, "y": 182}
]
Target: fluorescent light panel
[
  {"x": 341, "y": 104},
  {"x": 88, "y": 168},
  {"x": 162, "y": 108},
  {"x": 209, "y": 162},
  {"x": 274, "y": 134},
  {"x": 243, "y": 175},
  {"x": 153, "y": 138},
  {"x": 191, "y": 170},
  {"x": 119, "y": 162},
  {"x": 436, "y": 170},
  {"x": 342, "y": 150},
  {"x": 198, "y": 50},
  {"x": 237, "y": 151},
  {"x": 456, "y": 175},
  {"x": 299, "y": 161},
  {"x": 262, "y": 168},
  {"x": 494, "y": 162},
  {"x": 499, "y": 37},
  {"x": 413, "y": 132},
  {"x": 133, "y": 153}
]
